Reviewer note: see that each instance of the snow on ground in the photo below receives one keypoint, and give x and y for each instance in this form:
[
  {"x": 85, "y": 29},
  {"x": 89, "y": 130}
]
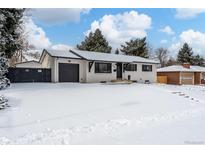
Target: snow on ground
[{"x": 68, "y": 113}]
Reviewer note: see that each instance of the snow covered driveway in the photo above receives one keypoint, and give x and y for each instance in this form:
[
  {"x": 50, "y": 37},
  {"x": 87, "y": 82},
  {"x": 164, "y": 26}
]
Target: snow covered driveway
[{"x": 47, "y": 113}]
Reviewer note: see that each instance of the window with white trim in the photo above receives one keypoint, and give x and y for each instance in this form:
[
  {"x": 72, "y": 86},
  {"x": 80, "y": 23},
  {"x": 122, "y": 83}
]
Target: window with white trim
[
  {"x": 147, "y": 68},
  {"x": 103, "y": 67},
  {"x": 131, "y": 67}
]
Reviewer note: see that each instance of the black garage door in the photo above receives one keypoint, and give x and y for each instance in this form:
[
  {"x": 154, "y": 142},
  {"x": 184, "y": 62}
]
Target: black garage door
[
  {"x": 29, "y": 75},
  {"x": 68, "y": 72}
]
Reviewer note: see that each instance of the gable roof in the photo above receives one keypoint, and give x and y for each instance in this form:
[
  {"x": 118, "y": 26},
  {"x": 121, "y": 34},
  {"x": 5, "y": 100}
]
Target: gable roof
[
  {"x": 97, "y": 56},
  {"x": 58, "y": 53},
  {"x": 62, "y": 53},
  {"x": 180, "y": 68}
]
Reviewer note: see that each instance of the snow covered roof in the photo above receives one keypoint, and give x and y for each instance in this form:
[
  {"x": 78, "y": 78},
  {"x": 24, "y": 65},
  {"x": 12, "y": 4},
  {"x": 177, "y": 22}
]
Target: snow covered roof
[
  {"x": 180, "y": 68},
  {"x": 29, "y": 64},
  {"x": 62, "y": 53},
  {"x": 96, "y": 56}
]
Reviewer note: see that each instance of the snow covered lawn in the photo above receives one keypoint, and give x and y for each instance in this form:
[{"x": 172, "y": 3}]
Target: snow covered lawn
[{"x": 47, "y": 113}]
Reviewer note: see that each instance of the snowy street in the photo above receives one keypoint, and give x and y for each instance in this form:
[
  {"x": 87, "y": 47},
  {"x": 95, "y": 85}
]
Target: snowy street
[{"x": 68, "y": 113}]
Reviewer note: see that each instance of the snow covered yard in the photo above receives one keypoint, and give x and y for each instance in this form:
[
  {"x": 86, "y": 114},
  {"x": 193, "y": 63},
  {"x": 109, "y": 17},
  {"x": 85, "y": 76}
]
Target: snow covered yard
[{"x": 68, "y": 113}]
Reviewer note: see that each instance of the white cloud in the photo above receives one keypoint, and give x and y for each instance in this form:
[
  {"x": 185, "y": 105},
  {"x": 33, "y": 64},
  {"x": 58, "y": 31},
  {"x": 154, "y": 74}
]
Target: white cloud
[
  {"x": 61, "y": 47},
  {"x": 174, "y": 48},
  {"x": 36, "y": 36},
  {"x": 195, "y": 39},
  {"x": 188, "y": 13},
  {"x": 168, "y": 30},
  {"x": 59, "y": 15},
  {"x": 122, "y": 27},
  {"x": 163, "y": 41}
]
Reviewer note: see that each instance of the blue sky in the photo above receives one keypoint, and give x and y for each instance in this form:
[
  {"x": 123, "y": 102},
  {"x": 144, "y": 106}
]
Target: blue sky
[{"x": 163, "y": 27}]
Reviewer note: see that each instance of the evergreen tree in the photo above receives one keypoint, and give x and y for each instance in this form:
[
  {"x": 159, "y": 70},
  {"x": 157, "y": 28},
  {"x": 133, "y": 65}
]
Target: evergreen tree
[
  {"x": 95, "y": 42},
  {"x": 198, "y": 60},
  {"x": 10, "y": 31},
  {"x": 4, "y": 82},
  {"x": 185, "y": 54},
  {"x": 137, "y": 47},
  {"x": 11, "y": 42}
]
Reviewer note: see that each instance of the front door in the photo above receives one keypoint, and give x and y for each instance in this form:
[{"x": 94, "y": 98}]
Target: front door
[{"x": 119, "y": 70}]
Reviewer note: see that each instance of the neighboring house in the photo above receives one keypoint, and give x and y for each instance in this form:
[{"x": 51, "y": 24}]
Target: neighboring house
[
  {"x": 183, "y": 74},
  {"x": 85, "y": 66}
]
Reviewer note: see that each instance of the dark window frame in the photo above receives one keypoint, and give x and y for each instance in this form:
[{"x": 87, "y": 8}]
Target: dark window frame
[
  {"x": 145, "y": 68},
  {"x": 131, "y": 67},
  {"x": 98, "y": 67}
]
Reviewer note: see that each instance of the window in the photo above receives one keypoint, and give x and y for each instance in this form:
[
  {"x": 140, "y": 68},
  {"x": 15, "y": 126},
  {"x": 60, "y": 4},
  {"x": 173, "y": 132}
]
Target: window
[
  {"x": 147, "y": 68},
  {"x": 131, "y": 67},
  {"x": 103, "y": 68}
]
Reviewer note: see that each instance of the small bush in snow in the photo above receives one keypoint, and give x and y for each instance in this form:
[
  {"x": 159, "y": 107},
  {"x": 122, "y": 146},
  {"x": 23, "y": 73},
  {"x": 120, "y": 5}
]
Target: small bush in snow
[{"x": 3, "y": 102}]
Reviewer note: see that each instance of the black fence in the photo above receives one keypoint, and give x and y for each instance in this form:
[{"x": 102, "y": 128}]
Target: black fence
[{"x": 29, "y": 75}]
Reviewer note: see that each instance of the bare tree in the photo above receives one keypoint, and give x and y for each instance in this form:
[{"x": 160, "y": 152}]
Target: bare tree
[
  {"x": 171, "y": 61},
  {"x": 162, "y": 55}
]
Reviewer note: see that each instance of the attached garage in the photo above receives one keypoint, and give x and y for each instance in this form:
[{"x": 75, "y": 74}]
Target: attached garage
[{"x": 68, "y": 72}]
